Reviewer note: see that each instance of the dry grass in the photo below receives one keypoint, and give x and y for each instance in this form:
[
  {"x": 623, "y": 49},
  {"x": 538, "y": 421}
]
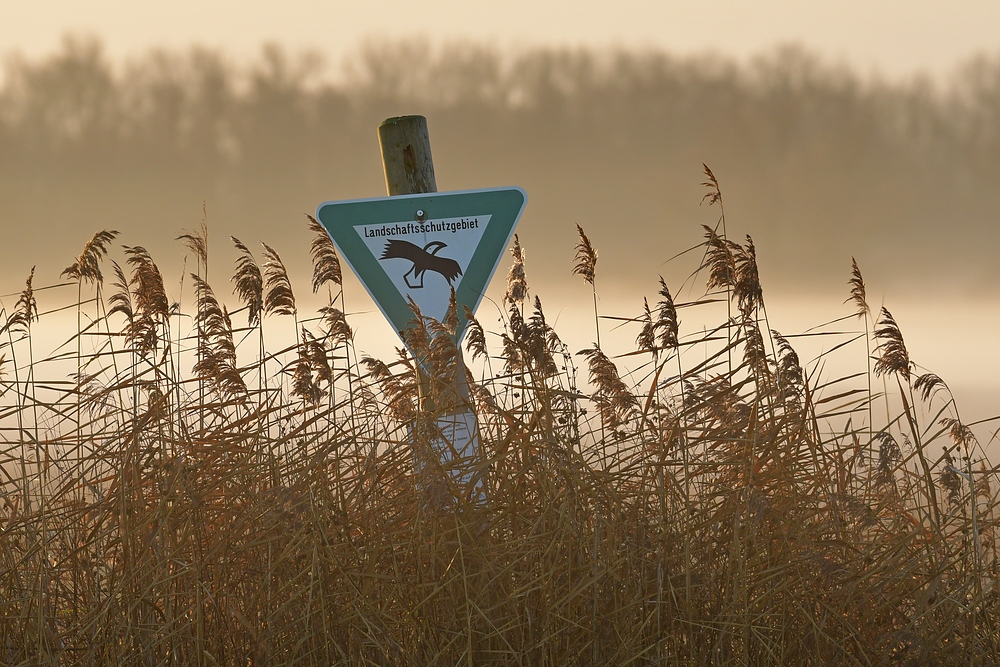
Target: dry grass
[{"x": 190, "y": 497}]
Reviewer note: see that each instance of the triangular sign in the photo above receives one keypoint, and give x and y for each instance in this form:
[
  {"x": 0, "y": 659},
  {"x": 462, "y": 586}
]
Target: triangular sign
[{"x": 420, "y": 246}]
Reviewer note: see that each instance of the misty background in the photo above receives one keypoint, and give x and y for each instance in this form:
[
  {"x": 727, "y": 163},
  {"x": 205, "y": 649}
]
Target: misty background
[{"x": 817, "y": 162}]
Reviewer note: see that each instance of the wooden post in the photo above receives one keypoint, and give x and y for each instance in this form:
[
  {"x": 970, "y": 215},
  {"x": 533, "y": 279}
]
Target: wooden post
[
  {"x": 409, "y": 169},
  {"x": 406, "y": 156}
]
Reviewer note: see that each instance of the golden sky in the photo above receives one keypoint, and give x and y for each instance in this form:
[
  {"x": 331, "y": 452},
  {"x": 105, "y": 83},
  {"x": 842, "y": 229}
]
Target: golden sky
[{"x": 894, "y": 38}]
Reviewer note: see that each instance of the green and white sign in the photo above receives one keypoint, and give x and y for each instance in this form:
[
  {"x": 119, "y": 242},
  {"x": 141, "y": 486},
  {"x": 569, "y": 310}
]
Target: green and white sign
[{"x": 421, "y": 246}]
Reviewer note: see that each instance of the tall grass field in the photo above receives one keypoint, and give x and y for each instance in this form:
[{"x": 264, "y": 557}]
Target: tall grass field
[{"x": 181, "y": 486}]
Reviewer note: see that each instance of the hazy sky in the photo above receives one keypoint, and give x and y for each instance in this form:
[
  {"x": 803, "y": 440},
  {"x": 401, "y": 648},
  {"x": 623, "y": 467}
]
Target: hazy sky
[{"x": 892, "y": 37}]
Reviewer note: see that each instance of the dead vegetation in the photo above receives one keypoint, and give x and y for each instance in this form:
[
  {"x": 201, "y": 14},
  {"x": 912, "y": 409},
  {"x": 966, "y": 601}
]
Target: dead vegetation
[{"x": 192, "y": 496}]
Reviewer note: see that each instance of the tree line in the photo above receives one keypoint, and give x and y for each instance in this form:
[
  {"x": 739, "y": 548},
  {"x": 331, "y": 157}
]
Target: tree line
[{"x": 823, "y": 162}]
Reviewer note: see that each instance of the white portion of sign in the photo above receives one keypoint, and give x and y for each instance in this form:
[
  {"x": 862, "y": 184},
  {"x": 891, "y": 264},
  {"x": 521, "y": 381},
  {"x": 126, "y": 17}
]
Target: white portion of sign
[
  {"x": 424, "y": 260},
  {"x": 458, "y": 448},
  {"x": 456, "y": 444}
]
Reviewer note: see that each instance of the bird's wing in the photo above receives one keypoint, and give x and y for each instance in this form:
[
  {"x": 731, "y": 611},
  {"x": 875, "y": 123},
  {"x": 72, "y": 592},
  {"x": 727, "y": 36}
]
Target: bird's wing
[
  {"x": 397, "y": 249},
  {"x": 450, "y": 269}
]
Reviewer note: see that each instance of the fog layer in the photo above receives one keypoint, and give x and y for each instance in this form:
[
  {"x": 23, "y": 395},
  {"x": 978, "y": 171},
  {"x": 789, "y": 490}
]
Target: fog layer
[{"x": 815, "y": 163}]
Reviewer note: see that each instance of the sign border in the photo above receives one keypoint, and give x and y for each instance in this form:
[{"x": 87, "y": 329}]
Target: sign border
[{"x": 344, "y": 216}]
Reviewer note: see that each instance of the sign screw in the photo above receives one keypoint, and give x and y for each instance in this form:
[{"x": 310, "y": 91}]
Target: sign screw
[{"x": 421, "y": 215}]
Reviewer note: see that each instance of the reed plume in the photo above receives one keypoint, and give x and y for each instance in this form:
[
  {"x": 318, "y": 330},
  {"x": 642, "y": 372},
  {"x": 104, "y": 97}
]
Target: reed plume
[
  {"x": 959, "y": 433},
  {"x": 149, "y": 304},
  {"x": 319, "y": 359},
  {"x": 121, "y": 299},
  {"x": 746, "y": 279},
  {"x": 147, "y": 285},
  {"x": 216, "y": 349},
  {"x": 87, "y": 267},
  {"x": 720, "y": 260},
  {"x": 790, "y": 378},
  {"x": 443, "y": 351},
  {"x": 398, "y": 390},
  {"x": 754, "y": 353},
  {"x": 586, "y": 257},
  {"x": 310, "y": 357},
  {"x": 248, "y": 282},
  {"x": 326, "y": 263},
  {"x": 197, "y": 243},
  {"x": 893, "y": 357},
  {"x": 586, "y": 266},
  {"x": 26, "y": 308},
  {"x": 528, "y": 346},
  {"x": 615, "y": 403},
  {"x": 646, "y": 340},
  {"x": 475, "y": 337},
  {"x": 714, "y": 194},
  {"x": 667, "y": 324},
  {"x": 889, "y": 455},
  {"x": 416, "y": 336},
  {"x": 515, "y": 360},
  {"x": 278, "y": 296},
  {"x": 928, "y": 384},
  {"x": 540, "y": 342},
  {"x": 859, "y": 295},
  {"x": 338, "y": 331},
  {"x": 517, "y": 284},
  {"x": 950, "y": 480}
]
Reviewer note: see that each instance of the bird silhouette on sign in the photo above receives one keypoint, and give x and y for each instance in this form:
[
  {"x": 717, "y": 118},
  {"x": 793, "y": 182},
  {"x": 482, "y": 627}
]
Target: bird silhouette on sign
[{"x": 424, "y": 259}]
